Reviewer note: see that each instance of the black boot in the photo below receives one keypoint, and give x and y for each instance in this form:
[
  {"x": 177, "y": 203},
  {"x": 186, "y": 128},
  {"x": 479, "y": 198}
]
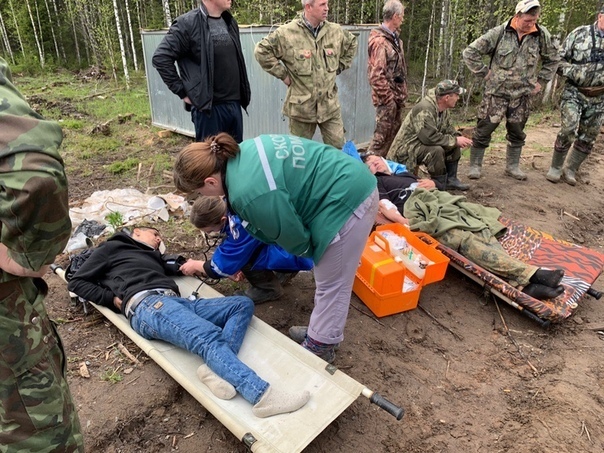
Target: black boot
[
  {"x": 542, "y": 292},
  {"x": 285, "y": 277},
  {"x": 547, "y": 277},
  {"x": 440, "y": 181},
  {"x": 453, "y": 183},
  {"x": 264, "y": 286}
]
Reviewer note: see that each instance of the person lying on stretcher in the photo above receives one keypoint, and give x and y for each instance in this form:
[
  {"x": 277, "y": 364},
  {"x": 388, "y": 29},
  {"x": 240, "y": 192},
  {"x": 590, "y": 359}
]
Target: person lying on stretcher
[
  {"x": 128, "y": 274},
  {"x": 468, "y": 228}
]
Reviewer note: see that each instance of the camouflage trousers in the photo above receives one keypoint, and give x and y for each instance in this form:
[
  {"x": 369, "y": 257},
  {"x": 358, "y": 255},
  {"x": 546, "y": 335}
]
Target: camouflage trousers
[
  {"x": 37, "y": 413},
  {"x": 492, "y": 111},
  {"x": 388, "y": 119},
  {"x": 485, "y": 250},
  {"x": 582, "y": 118},
  {"x": 434, "y": 158},
  {"x": 332, "y": 130}
]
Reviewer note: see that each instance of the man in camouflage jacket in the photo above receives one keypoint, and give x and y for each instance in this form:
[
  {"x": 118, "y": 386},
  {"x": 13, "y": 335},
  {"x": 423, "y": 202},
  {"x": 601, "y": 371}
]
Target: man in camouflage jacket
[
  {"x": 307, "y": 54},
  {"x": 36, "y": 409},
  {"x": 387, "y": 72},
  {"x": 427, "y": 137},
  {"x": 523, "y": 58},
  {"x": 582, "y": 101}
]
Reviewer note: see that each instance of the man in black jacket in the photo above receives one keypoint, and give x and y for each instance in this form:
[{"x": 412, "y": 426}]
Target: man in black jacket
[
  {"x": 211, "y": 78},
  {"x": 129, "y": 274}
]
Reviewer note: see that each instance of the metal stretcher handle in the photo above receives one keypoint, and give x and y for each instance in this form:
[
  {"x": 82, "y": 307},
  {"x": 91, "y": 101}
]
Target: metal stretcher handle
[
  {"x": 594, "y": 293},
  {"x": 383, "y": 403}
]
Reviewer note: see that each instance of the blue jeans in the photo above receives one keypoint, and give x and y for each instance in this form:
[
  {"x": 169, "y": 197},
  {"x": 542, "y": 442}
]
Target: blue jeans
[
  {"x": 211, "y": 328},
  {"x": 225, "y": 117}
]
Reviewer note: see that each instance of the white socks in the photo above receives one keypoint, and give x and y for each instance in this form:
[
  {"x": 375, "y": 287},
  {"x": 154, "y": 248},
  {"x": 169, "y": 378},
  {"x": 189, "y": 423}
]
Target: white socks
[
  {"x": 218, "y": 386},
  {"x": 275, "y": 402}
]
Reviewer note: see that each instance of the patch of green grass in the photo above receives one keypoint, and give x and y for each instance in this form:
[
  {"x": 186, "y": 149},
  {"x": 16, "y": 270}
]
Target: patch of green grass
[
  {"x": 122, "y": 166},
  {"x": 73, "y": 124},
  {"x": 111, "y": 376}
]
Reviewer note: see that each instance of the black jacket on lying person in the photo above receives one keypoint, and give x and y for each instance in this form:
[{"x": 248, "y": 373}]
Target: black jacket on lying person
[
  {"x": 396, "y": 188},
  {"x": 122, "y": 266}
]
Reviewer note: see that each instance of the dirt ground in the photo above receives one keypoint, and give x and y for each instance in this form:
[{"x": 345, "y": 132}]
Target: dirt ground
[{"x": 465, "y": 383}]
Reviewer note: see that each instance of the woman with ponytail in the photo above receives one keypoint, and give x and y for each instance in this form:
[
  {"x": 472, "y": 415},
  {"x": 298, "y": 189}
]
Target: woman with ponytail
[{"x": 307, "y": 197}]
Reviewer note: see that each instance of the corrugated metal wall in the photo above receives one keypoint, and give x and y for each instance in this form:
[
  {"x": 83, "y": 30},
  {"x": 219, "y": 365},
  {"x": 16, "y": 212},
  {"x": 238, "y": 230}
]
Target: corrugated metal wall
[{"x": 267, "y": 92}]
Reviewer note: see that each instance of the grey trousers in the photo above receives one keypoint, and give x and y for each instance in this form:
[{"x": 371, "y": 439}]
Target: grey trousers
[{"x": 334, "y": 274}]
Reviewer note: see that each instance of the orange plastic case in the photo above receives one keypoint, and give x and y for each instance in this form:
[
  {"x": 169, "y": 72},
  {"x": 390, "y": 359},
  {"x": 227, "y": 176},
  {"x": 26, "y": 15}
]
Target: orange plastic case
[{"x": 379, "y": 279}]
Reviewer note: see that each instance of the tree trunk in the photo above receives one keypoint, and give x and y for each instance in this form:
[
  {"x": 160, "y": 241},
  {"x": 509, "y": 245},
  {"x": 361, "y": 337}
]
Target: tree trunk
[
  {"x": 60, "y": 27},
  {"x": 428, "y": 49},
  {"x": 441, "y": 38},
  {"x": 167, "y": 15},
  {"x": 33, "y": 26},
  {"x": 5, "y": 40},
  {"x": 134, "y": 59},
  {"x": 121, "y": 40},
  {"x": 10, "y": 2},
  {"x": 52, "y": 31}
]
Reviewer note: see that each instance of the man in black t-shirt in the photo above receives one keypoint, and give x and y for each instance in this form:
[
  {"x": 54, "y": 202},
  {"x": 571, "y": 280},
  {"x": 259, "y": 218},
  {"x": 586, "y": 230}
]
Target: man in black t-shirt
[{"x": 211, "y": 78}]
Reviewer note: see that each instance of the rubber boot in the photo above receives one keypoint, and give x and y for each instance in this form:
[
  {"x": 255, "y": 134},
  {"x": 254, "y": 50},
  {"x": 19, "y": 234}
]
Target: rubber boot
[
  {"x": 264, "y": 286},
  {"x": 512, "y": 160},
  {"x": 555, "y": 170},
  {"x": 476, "y": 156},
  {"x": 440, "y": 181},
  {"x": 453, "y": 183},
  {"x": 575, "y": 160}
]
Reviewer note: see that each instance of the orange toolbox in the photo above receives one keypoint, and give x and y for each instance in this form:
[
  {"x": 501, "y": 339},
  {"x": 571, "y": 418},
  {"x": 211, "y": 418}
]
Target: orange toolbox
[{"x": 392, "y": 271}]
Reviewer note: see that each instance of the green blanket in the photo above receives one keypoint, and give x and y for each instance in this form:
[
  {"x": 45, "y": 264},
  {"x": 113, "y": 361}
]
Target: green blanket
[{"x": 435, "y": 212}]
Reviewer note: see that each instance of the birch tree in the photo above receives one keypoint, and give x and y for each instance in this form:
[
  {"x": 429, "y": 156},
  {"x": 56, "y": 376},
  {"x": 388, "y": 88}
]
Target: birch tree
[
  {"x": 120, "y": 37},
  {"x": 134, "y": 59},
  {"x": 38, "y": 43},
  {"x": 5, "y": 39},
  {"x": 52, "y": 31},
  {"x": 167, "y": 15}
]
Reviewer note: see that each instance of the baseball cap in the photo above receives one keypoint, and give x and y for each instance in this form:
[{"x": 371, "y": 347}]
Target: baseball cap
[
  {"x": 448, "y": 87},
  {"x": 524, "y": 5}
]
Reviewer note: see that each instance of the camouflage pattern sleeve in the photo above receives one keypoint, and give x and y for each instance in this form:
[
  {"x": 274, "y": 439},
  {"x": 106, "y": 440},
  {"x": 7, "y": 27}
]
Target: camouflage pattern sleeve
[
  {"x": 550, "y": 57},
  {"x": 430, "y": 133},
  {"x": 576, "y": 58},
  {"x": 481, "y": 47},
  {"x": 269, "y": 53},
  {"x": 349, "y": 50},
  {"x": 34, "y": 210}
]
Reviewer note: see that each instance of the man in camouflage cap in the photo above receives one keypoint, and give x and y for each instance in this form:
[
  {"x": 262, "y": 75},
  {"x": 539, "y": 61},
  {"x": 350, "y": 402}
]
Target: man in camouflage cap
[
  {"x": 387, "y": 73},
  {"x": 582, "y": 101},
  {"x": 515, "y": 50},
  {"x": 36, "y": 409},
  {"x": 427, "y": 137},
  {"x": 307, "y": 54}
]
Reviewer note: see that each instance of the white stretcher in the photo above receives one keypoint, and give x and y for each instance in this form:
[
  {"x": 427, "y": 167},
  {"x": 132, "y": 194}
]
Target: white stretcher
[{"x": 276, "y": 359}]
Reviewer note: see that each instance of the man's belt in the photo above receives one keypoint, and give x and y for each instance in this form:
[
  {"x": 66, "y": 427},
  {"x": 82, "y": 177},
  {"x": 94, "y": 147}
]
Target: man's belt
[{"x": 135, "y": 300}]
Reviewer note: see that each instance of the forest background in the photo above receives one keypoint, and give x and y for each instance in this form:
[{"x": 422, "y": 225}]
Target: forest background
[{"x": 39, "y": 36}]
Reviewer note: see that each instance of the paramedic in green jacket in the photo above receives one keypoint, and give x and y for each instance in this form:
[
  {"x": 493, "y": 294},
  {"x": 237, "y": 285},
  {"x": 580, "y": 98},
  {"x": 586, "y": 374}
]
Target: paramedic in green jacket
[
  {"x": 305, "y": 196},
  {"x": 307, "y": 54},
  {"x": 37, "y": 413},
  {"x": 515, "y": 51},
  {"x": 582, "y": 101}
]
